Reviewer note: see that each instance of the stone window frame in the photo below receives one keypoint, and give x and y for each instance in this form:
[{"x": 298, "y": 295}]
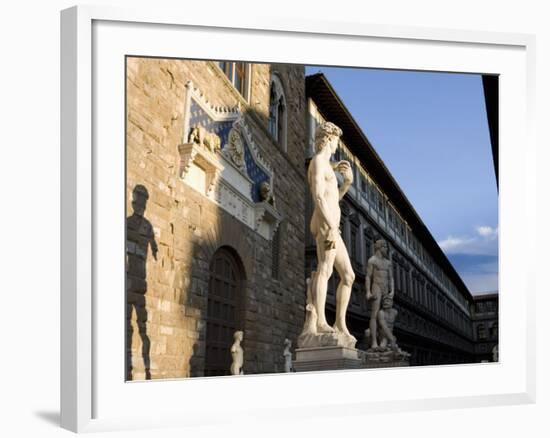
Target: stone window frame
[
  {"x": 368, "y": 237},
  {"x": 481, "y": 331},
  {"x": 363, "y": 186},
  {"x": 493, "y": 330},
  {"x": 277, "y": 99},
  {"x": 354, "y": 234},
  {"x": 228, "y": 72}
]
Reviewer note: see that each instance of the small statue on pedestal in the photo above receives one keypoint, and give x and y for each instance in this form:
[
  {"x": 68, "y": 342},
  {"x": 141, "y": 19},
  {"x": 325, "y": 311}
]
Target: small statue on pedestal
[
  {"x": 378, "y": 284},
  {"x": 380, "y": 292},
  {"x": 237, "y": 354}
]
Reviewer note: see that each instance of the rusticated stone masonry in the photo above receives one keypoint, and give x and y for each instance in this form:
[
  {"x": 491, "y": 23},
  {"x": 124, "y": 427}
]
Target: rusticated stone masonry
[{"x": 174, "y": 231}]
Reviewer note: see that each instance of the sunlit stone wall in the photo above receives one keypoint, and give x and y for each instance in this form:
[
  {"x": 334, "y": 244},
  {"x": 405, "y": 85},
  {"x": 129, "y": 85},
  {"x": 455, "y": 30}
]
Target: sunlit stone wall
[{"x": 173, "y": 230}]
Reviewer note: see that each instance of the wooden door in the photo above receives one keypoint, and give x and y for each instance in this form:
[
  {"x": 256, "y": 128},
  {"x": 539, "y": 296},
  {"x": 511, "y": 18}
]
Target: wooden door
[{"x": 223, "y": 312}]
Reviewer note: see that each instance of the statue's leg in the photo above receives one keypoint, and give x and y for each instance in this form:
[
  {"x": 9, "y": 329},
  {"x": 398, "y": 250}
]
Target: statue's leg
[
  {"x": 386, "y": 333},
  {"x": 320, "y": 283},
  {"x": 342, "y": 264},
  {"x": 374, "y": 314}
]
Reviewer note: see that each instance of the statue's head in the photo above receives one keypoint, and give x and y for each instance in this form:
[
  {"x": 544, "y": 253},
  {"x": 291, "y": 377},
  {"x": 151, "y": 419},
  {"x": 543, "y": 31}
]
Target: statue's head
[
  {"x": 288, "y": 342},
  {"x": 238, "y": 336},
  {"x": 382, "y": 246},
  {"x": 387, "y": 302},
  {"x": 327, "y": 134},
  {"x": 140, "y": 195}
]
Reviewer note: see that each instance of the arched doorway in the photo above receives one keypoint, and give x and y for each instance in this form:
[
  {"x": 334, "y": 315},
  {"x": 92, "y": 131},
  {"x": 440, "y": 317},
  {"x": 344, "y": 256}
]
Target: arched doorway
[{"x": 224, "y": 311}]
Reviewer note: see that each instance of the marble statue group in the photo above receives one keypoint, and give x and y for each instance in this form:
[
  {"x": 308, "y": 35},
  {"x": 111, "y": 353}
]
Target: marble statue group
[
  {"x": 332, "y": 255},
  {"x": 379, "y": 285}
]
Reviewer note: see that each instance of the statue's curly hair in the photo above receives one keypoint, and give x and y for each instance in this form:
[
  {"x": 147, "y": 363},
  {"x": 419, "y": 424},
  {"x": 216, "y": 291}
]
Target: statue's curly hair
[
  {"x": 323, "y": 134},
  {"x": 379, "y": 242}
]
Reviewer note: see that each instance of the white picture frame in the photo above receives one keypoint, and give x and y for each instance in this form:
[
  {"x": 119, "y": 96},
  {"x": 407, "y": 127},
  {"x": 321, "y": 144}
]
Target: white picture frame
[{"x": 92, "y": 399}]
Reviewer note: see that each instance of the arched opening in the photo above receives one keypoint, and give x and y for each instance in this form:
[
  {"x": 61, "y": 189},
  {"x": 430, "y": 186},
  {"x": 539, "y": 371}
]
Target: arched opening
[
  {"x": 224, "y": 310},
  {"x": 278, "y": 112}
]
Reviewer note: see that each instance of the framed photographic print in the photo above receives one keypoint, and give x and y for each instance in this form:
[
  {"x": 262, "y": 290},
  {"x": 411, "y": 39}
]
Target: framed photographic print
[{"x": 252, "y": 210}]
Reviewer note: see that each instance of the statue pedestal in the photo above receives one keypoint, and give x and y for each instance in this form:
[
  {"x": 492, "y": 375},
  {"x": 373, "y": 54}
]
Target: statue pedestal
[
  {"x": 335, "y": 339},
  {"x": 385, "y": 359},
  {"x": 391, "y": 364},
  {"x": 327, "y": 358},
  {"x": 326, "y": 351}
]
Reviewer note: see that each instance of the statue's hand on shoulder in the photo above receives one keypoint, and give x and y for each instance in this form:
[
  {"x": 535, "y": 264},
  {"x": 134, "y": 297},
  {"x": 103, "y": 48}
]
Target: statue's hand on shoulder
[{"x": 344, "y": 167}]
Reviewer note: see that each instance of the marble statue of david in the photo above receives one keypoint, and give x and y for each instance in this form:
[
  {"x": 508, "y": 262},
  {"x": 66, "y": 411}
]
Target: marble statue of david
[{"x": 325, "y": 227}]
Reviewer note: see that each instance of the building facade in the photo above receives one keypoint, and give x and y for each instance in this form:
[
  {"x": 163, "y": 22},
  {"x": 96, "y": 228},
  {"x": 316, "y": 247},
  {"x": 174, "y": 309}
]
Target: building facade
[
  {"x": 434, "y": 322},
  {"x": 485, "y": 322},
  {"x": 217, "y": 223},
  {"x": 215, "y": 214}
]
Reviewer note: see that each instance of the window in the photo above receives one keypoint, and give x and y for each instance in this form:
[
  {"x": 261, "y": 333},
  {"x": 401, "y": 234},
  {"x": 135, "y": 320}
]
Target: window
[
  {"x": 353, "y": 243},
  {"x": 277, "y": 111},
  {"x": 381, "y": 203},
  {"x": 396, "y": 276},
  {"x": 368, "y": 246},
  {"x": 391, "y": 217},
  {"x": 494, "y": 330},
  {"x": 400, "y": 228},
  {"x": 481, "y": 333},
  {"x": 237, "y": 73},
  {"x": 373, "y": 194},
  {"x": 275, "y": 252},
  {"x": 313, "y": 125},
  {"x": 239, "y": 76}
]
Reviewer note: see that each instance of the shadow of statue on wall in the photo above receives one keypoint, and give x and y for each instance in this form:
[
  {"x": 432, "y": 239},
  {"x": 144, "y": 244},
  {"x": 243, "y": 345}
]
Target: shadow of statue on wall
[{"x": 139, "y": 237}]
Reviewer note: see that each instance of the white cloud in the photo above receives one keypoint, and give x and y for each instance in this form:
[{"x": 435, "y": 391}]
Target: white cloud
[
  {"x": 487, "y": 232},
  {"x": 483, "y": 241},
  {"x": 452, "y": 244},
  {"x": 473, "y": 254}
]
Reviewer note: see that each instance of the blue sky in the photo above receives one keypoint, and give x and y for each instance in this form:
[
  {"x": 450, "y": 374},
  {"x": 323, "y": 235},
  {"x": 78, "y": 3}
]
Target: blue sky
[{"x": 431, "y": 131}]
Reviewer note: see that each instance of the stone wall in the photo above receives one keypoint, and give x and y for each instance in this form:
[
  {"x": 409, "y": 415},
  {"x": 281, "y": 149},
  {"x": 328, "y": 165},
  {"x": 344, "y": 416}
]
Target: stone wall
[{"x": 173, "y": 230}]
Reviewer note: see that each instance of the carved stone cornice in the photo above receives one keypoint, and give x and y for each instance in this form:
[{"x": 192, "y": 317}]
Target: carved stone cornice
[
  {"x": 255, "y": 150},
  {"x": 215, "y": 111},
  {"x": 267, "y": 214},
  {"x": 221, "y": 172},
  {"x": 195, "y": 154}
]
